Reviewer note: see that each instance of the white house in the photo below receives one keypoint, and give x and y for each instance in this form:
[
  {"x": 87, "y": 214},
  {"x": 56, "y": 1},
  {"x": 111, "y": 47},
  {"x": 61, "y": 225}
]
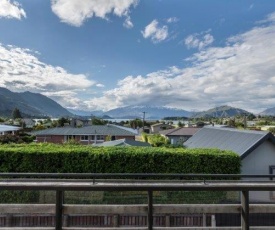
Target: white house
[
  {"x": 8, "y": 129},
  {"x": 256, "y": 149}
]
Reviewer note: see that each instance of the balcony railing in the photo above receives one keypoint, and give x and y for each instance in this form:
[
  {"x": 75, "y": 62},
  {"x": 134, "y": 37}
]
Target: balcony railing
[{"x": 148, "y": 183}]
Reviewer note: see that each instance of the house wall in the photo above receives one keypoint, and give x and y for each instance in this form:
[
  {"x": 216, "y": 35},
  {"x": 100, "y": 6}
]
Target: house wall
[
  {"x": 50, "y": 139},
  {"x": 62, "y": 139},
  {"x": 175, "y": 140},
  {"x": 157, "y": 128},
  {"x": 258, "y": 162}
]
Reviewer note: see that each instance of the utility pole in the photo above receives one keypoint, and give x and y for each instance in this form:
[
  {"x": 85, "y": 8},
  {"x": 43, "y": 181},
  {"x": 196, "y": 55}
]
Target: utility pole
[{"x": 143, "y": 120}]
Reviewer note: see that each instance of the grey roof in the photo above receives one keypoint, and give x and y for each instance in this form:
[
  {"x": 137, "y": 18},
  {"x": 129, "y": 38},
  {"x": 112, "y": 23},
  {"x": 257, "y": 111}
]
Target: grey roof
[
  {"x": 5, "y": 128},
  {"x": 188, "y": 131},
  {"x": 123, "y": 142},
  {"x": 241, "y": 142},
  {"x": 86, "y": 130}
]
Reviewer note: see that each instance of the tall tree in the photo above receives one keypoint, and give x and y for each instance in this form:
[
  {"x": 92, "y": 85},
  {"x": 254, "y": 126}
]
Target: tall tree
[{"x": 16, "y": 113}]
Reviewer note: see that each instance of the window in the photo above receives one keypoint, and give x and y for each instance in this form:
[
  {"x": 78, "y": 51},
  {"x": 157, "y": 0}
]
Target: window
[
  {"x": 100, "y": 137},
  {"x": 84, "y": 138}
]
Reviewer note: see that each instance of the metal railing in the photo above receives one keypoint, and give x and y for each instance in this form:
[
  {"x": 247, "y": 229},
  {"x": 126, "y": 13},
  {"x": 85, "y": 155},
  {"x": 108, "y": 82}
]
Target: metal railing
[{"x": 138, "y": 182}]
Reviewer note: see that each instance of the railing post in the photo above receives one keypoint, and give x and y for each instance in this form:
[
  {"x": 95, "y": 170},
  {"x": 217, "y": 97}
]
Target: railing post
[
  {"x": 167, "y": 220},
  {"x": 116, "y": 220},
  {"x": 8, "y": 220},
  {"x": 150, "y": 210},
  {"x": 58, "y": 209},
  {"x": 245, "y": 210}
]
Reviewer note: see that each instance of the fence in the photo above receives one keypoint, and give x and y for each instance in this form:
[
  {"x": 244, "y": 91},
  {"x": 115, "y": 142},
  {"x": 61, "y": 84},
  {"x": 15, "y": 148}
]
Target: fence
[{"x": 153, "y": 215}]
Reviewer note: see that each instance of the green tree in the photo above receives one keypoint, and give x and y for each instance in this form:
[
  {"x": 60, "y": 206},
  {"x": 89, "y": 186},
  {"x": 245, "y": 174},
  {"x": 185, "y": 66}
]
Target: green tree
[
  {"x": 97, "y": 121},
  {"x": 61, "y": 121},
  {"x": 156, "y": 140},
  {"x": 136, "y": 123},
  {"x": 180, "y": 124},
  {"x": 272, "y": 130},
  {"x": 16, "y": 114}
]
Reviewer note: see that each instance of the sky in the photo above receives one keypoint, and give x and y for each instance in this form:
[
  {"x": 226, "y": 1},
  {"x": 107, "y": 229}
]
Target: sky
[{"x": 104, "y": 54}]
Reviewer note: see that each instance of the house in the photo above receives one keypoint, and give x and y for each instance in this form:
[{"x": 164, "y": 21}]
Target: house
[
  {"x": 85, "y": 135},
  {"x": 123, "y": 142},
  {"x": 28, "y": 123},
  {"x": 256, "y": 149},
  {"x": 9, "y": 129},
  {"x": 179, "y": 135},
  {"x": 76, "y": 122},
  {"x": 156, "y": 128}
]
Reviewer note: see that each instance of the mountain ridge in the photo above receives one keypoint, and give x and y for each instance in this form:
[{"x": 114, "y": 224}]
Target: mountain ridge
[{"x": 30, "y": 104}]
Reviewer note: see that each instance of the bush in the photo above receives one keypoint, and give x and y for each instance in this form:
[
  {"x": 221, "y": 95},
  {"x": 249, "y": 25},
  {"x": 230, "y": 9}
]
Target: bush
[
  {"x": 69, "y": 158},
  {"x": 84, "y": 159}
]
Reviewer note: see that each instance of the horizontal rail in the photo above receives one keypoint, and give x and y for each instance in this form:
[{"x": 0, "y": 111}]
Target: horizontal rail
[
  {"x": 133, "y": 209},
  {"x": 137, "y": 228},
  {"x": 138, "y": 186},
  {"x": 132, "y": 175}
]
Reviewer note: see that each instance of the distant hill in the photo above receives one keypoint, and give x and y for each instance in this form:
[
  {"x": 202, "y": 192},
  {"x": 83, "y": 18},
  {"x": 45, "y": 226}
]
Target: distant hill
[
  {"x": 84, "y": 113},
  {"x": 221, "y": 111},
  {"x": 30, "y": 104},
  {"x": 269, "y": 112},
  {"x": 151, "y": 112}
]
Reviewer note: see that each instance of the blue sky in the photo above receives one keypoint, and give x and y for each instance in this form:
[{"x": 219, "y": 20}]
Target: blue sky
[{"x": 103, "y": 54}]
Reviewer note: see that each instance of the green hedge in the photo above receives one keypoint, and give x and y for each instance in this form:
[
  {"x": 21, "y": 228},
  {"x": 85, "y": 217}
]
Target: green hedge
[{"x": 49, "y": 158}]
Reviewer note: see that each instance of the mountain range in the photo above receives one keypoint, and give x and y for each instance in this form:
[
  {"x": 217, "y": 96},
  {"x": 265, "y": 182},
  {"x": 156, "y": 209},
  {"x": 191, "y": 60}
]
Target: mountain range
[
  {"x": 30, "y": 104},
  {"x": 37, "y": 105}
]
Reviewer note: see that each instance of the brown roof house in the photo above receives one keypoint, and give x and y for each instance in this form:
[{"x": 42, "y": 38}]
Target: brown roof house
[
  {"x": 85, "y": 135},
  {"x": 156, "y": 128},
  {"x": 179, "y": 135}
]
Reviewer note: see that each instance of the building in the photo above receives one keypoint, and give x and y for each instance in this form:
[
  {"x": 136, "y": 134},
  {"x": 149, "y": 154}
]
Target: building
[
  {"x": 179, "y": 135},
  {"x": 9, "y": 129},
  {"x": 85, "y": 135},
  {"x": 123, "y": 142},
  {"x": 256, "y": 149},
  {"x": 156, "y": 128}
]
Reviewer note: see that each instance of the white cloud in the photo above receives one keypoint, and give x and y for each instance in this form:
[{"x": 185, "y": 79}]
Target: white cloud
[
  {"x": 127, "y": 23},
  {"x": 241, "y": 74},
  {"x": 100, "y": 85},
  {"x": 155, "y": 32},
  {"x": 75, "y": 12},
  {"x": 21, "y": 70},
  {"x": 9, "y": 9},
  {"x": 172, "y": 19},
  {"x": 199, "y": 41}
]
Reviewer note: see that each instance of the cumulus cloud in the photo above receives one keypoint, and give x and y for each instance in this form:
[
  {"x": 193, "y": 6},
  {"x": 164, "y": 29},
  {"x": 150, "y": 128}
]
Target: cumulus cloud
[
  {"x": 21, "y": 70},
  {"x": 11, "y": 9},
  {"x": 199, "y": 41},
  {"x": 155, "y": 32},
  {"x": 75, "y": 12},
  {"x": 241, "y": 74}
]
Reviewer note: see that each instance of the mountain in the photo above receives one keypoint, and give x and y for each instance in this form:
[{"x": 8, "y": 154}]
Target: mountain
[
  {"x": 85, "y": 113},
  {"x": 30, "y": 104},
  {"x": 221, "y": 111},
  {"x": 269, "y": 112},
  {"x": 151, "y": 112}
]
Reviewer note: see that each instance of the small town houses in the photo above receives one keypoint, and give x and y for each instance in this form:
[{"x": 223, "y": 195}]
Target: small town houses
[{"x": 91, "y": 134}]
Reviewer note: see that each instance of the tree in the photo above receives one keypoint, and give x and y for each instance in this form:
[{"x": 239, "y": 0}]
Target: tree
[
  {"x": 97, "y": 121},
  {"x": 16, "y": 114},
  {"x": 136, "y": 123},
  {"x": 61, "y": 121},
  {"x": 272, "y": 130},
  {"x": 180, "y": 124}
]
